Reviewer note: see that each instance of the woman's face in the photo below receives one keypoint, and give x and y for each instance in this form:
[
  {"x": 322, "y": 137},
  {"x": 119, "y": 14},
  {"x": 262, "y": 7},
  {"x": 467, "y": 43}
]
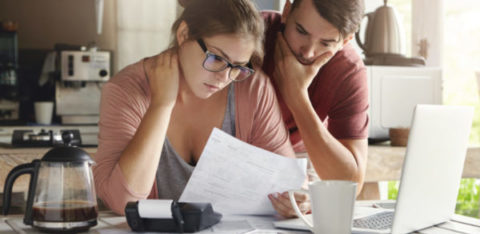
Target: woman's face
[{"x": 234, "y": 48}]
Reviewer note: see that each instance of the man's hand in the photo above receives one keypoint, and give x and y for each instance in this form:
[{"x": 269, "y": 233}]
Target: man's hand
[
  {"x": 281, "y": 203},
  {"x": 291, "y": 76},
  {"x": 163, "y": 76}
]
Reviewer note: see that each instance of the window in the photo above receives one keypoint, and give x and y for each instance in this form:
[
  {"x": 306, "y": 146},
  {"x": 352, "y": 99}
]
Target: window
[
  {"x": 460, "y": 50},
  {"x": 461, "y": 59}
]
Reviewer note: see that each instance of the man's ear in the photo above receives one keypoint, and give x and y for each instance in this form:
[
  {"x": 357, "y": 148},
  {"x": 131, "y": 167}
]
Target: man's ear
[
  {"x": 182, "y": 33},
  {"x": 286, "y": 10}
]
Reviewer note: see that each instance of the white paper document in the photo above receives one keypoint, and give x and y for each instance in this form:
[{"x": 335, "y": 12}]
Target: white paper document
[{"x": 237, "y": 177}]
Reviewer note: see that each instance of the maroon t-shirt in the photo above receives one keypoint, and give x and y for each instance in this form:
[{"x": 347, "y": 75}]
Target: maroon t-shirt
[{"x": 338, "y": 93}]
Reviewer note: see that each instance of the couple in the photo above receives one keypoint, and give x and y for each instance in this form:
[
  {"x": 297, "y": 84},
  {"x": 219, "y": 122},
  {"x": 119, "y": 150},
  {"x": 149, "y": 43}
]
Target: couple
[{"x": 225, "y": 69}]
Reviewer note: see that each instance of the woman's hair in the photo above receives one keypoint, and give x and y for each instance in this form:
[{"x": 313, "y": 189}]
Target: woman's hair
[{"x": 206, "y": 18}]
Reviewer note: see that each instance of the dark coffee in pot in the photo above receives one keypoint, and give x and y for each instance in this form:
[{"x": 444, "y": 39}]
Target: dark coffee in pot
[{"x": 67, "y": 211}]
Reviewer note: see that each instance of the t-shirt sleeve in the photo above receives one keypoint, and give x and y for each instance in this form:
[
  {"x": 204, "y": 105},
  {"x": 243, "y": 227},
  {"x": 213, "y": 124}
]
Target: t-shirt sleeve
[
  {"x": 120, "y": 115},
  {"x": 348, "y": 118}
]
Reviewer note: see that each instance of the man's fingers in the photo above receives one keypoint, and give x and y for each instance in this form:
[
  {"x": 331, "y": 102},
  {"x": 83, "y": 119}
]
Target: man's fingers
[
  {"x": 322, "y": 59},
  {"x": 282, "y": 43}
]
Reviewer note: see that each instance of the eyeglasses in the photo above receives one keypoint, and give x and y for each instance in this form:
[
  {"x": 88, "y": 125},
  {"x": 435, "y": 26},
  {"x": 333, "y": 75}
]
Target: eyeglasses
[{"x": 215, "y": 63}]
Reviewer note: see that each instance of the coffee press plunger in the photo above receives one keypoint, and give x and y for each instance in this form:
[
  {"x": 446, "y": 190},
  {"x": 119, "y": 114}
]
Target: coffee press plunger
[{"x": 61, "y": 193}]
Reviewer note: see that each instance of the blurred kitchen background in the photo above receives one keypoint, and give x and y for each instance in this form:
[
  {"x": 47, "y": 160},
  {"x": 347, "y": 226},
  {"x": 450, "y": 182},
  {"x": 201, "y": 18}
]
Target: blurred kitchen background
[{"x": 62, "y": 51}]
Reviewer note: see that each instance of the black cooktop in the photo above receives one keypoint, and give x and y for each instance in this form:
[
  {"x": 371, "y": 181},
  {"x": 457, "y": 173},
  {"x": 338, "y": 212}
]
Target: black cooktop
[{"x": 46, "y": 138}]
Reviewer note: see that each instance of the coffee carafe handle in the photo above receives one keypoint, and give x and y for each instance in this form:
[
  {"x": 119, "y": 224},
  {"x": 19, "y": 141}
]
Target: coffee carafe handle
[
  {"x": 357, "y": 34},
  {"x": 27, "y": 168}
]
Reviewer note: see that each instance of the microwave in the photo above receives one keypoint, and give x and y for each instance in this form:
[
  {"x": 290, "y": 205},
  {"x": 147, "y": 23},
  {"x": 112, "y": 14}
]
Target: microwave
[{"x": 395, "y": 91}]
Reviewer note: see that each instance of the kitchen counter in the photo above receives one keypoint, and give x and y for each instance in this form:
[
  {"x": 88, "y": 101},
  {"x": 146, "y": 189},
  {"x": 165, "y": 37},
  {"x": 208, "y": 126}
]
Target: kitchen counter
[{"x": 384, "y": 164}]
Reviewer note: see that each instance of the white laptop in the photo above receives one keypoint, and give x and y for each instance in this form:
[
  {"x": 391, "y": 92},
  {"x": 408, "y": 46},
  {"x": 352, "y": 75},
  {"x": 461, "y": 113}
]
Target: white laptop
[{"x": 432, "y": 169}]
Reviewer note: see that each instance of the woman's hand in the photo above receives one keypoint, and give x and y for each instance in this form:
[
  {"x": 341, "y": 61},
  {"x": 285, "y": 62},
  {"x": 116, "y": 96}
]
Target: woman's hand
[
  {"x": 281, "y": 203},
  {"x": 163, "y": 76}
]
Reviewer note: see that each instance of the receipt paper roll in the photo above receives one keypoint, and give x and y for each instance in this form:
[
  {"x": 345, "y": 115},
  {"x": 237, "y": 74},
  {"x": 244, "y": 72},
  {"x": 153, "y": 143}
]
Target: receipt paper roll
[{"x": 156, "y": 209}]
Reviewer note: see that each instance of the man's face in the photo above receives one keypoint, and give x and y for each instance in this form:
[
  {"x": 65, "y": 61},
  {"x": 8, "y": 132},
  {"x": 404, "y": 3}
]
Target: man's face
[{"x": 309, "y": 35}]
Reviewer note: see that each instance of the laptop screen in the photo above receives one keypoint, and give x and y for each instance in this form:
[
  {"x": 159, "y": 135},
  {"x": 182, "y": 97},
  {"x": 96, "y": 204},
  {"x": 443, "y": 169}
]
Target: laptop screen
[{"x": 433, "y": 166}]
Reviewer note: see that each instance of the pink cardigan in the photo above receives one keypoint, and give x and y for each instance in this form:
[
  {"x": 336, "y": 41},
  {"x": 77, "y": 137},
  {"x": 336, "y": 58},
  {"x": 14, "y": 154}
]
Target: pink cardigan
[{"x": 125, "y": 99}]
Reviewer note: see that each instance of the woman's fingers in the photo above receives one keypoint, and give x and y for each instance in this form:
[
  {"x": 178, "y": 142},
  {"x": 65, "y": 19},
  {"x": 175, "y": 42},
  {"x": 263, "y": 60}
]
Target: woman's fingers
[
  {"x": 281, "y": 203},
  {"x": 282, "y": 208}
]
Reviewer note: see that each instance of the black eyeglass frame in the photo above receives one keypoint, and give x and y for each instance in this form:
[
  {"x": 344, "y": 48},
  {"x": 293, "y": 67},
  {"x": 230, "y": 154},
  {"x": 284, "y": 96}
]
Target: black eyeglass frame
[{"x": 209, "y": 54}]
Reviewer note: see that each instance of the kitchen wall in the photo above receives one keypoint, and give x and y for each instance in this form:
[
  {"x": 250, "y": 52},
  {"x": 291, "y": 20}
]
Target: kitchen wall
[
  {"x": 145, "y": 24},
  {"x": 270, "y": 4},
  {"x": 143, "y": 28},
  {"x": 46, "y": 22},
  {"x": 42, "y": 24}
]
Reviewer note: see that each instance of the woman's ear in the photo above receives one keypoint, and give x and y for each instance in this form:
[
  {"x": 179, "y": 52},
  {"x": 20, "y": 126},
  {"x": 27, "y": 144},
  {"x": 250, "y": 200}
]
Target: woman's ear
[
  {"x": 286, "y": 10},
  {"x": 182, "y": 33}
]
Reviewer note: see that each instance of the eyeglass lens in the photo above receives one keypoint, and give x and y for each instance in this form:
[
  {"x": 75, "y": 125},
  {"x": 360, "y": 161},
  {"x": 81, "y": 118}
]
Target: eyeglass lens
[{"x": 215, "y": 63}]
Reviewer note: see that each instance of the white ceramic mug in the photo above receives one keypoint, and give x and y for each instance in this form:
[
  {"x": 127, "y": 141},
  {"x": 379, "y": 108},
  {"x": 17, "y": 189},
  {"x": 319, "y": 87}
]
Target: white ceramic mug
[
  {"x": 332, "y": 205},
  {"x": 43, "y": 112}
]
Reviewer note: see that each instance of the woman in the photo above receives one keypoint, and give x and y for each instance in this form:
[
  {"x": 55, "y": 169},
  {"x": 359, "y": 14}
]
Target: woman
[{"x": 157, "y": 114}]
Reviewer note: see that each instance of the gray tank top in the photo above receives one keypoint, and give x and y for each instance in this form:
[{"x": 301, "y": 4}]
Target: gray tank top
[{"x": 173, "y": 172}]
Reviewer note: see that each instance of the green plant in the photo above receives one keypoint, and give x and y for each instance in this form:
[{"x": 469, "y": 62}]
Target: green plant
[
  {"x": 467, "y": 201},
  {"x": 392, "y": 190},
  {"x": 468, "y": 198}
]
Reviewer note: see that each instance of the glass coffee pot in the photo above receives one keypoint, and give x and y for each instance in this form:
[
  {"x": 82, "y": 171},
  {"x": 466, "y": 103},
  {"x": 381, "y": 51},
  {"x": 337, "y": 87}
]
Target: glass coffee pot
[{"x": 61, "y": 194}]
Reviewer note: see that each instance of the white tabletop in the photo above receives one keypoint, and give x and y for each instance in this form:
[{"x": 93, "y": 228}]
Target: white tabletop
[{"x": 108, "y": 222}]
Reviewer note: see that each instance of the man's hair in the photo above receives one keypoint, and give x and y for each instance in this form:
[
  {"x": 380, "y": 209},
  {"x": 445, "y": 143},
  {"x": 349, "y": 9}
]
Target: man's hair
[
  {"x": 206, "y": 18},
  {"x": 345, "y": 15}
]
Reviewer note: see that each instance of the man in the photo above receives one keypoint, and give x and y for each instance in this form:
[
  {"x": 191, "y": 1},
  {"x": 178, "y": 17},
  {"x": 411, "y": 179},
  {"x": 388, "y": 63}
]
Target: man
[{"x": 321, "y": 84}]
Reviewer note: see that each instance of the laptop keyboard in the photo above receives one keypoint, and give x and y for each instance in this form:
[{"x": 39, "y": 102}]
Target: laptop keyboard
[{"x": 379, "y": 221}]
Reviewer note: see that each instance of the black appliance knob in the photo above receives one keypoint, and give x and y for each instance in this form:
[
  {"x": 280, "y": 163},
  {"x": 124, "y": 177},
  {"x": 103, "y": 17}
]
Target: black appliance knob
[
  {"x": 67, "y": 138},
  {"x": 103, "y": 73}
]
